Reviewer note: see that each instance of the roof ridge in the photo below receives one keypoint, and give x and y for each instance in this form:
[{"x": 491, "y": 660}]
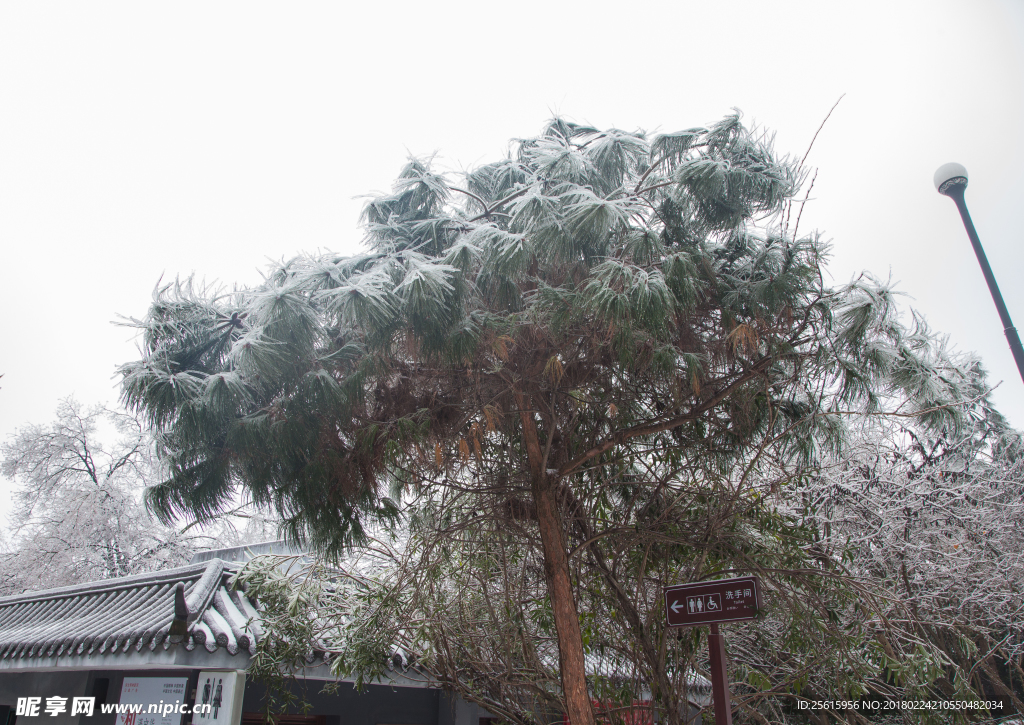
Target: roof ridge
[{"x": 189, "y": 571}]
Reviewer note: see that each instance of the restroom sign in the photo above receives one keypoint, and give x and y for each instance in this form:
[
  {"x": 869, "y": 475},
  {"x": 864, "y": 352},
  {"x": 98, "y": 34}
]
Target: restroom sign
[{"x": 707, "y": 602}]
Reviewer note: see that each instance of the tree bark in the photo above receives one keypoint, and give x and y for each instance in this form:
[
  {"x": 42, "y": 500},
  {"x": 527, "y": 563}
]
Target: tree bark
[
  {"x": 571, "y": 663},
  {"x": 661, "y": 684}
]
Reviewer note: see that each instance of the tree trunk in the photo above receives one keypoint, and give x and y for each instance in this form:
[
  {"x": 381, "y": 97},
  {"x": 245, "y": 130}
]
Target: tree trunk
[
  {"x": 661, "y": 684},
  {"x": 571, "y": 664}
]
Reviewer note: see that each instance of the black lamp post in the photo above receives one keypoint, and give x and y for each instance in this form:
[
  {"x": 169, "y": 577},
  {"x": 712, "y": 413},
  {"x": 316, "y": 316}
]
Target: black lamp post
[{"x": 951, "y": 181}]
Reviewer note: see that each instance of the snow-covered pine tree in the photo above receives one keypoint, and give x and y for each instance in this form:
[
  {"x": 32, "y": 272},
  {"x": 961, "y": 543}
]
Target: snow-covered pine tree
[{"x": 536, "y": 328}]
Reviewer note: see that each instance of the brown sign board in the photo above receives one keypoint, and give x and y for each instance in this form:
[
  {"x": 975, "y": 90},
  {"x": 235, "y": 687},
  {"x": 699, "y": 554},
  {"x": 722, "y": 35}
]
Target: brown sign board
[{"x": 708, "y": 602}]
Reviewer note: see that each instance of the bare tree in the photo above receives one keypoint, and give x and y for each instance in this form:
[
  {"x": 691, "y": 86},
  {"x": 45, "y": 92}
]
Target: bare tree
[
  {"x": 937, "y": 521},
  {"x": 77, "y": 513}
]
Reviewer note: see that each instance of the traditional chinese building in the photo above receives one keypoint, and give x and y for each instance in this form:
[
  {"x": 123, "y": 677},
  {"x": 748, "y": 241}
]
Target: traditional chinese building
[
  {"x": 180, "y": 634},
  {"x": 186, "y": 636}
]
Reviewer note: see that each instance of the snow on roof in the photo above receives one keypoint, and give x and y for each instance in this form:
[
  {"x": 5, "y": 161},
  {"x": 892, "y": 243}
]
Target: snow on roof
[
  {"x": 118, "y": 615},
  {"x": 247, "y": 552}
]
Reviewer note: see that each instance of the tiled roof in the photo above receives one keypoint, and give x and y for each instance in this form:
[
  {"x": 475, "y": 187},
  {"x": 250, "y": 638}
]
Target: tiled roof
[{"x": 118, "y": 615}]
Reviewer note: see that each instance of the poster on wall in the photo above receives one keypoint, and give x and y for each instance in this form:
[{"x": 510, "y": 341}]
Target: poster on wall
[
  {"x": 166, "y": 693},
  {"x": 219, "y": 698}
]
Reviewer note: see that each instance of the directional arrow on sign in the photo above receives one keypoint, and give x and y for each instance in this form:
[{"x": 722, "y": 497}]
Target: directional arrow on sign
[{"x": 676, "y": 606}]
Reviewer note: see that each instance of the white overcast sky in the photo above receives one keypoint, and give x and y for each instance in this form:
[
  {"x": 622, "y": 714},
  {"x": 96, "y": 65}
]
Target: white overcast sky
[{"x": 140, "y": 140}]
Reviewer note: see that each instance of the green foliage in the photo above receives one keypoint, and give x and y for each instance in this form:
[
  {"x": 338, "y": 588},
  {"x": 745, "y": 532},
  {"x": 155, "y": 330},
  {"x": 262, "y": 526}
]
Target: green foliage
[
  {"x": 640, "y": 302},
  {"x": 287, "y": 630}
]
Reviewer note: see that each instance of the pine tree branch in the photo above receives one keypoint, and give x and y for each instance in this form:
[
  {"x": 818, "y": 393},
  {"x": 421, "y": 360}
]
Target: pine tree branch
[
  {"x": 470, "y": 194},
  {"x": 498, "y": 204},
  {"x": 815, "y": 137},
  {"x": 649, "y": 429}
]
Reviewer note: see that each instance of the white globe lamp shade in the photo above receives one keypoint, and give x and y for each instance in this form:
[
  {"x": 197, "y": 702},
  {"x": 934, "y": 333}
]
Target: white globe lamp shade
[{"x": 949, "y": 175}]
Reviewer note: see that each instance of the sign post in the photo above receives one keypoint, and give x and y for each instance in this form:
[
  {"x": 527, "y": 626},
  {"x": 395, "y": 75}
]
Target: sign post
[
  {"x": 719, "y": 677},
  {"x": 711, "y": 602}
]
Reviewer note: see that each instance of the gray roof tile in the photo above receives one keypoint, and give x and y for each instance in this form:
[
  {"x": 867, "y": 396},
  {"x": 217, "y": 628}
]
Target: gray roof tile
[{"x": 129, "y": 613}]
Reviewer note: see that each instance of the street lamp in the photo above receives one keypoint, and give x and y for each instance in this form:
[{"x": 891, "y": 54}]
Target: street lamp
[{"x": 951, "y": 181}]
